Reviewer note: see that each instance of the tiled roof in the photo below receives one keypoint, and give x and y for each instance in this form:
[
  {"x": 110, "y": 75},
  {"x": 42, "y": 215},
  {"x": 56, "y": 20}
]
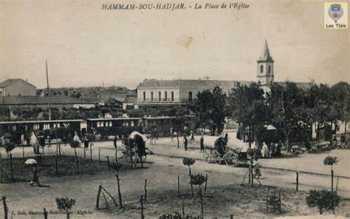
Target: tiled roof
[
  {"x": 153, "y": 83},
  {"x": 159, "y": 83},
  {"x": 37, "y": 100},
  {"x": 9, "y": 82}
]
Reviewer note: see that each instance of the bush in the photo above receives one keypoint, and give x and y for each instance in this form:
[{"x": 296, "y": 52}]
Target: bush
[
  {"x": 329, "y": 160},
  {"x": 198, "y": 179},
  {"x": 188, "y": 161},
  {"x": 65, "y": 203},
  {"x": 323, "y": 200}
]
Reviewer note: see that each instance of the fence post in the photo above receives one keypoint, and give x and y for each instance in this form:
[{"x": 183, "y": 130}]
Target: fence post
[
  {"x": 141, "y": 202},
  {"x": 91, "y": 151},
  {"x": 332, "y": 177},
  {"x": 99, "y": 154},
  {"x": 297, "y": 181},
  {"x": 183, "y": 208},
  {"x": 5, "y": 207},
  {"x": 201, "y": 200},
  {"x": 145, "y": 189},
  {"x": 252, "y": 171},
  {"x": 178, "y": 185},
  {"x": 231, "y": 216},
  {"x": 119, "y": 192},
  {"x": 98, "y": 197}
]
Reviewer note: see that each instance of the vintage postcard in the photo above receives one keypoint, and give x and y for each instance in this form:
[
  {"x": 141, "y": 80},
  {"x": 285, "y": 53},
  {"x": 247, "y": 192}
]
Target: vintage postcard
[{"x": 174, "y": 109}]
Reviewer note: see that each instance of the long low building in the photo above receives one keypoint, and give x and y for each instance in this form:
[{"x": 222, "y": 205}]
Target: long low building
[{"x": 152, "y": 91}]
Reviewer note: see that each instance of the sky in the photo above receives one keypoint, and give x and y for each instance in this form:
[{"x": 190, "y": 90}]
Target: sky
[{"x": 87, "y": 46}]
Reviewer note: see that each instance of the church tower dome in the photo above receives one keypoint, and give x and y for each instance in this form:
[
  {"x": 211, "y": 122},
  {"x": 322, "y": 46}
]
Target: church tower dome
[{"x": 265, "y": 68}]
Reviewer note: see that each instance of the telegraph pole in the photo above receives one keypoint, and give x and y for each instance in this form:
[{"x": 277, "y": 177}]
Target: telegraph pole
[{"x": 48, "y": 88}]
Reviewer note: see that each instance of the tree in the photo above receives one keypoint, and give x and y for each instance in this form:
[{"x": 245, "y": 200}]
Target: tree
[
  {"x": 203, "y": 108},
  {"x": 210, "y": 109},
  {"x": 341, "y": 99},
  {"x": 330, "y": 161},
  {"x": 218, "y": 112},
  {"x": 249, "y": 109}
]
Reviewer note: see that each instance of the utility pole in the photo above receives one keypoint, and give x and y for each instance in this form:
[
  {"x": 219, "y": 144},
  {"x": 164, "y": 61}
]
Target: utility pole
[{"x": 48, "y": 88}]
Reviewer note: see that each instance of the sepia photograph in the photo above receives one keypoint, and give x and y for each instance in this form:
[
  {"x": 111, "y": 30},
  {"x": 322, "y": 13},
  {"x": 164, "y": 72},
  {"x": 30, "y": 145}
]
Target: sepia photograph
[{"x": 174, "y": 109}]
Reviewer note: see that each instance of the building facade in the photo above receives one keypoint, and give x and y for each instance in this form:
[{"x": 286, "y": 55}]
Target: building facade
[
  {"x": 152, "y": 91},
  {"x": 17, "y": 87}
]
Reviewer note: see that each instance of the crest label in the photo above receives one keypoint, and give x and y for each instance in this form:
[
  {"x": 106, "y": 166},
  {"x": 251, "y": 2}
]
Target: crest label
[{"x": 336, "y": 15}]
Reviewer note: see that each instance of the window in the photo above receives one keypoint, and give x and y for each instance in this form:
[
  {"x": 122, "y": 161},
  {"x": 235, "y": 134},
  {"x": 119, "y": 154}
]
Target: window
[
  {"x": 172, "y": 95},
  {"x": 160, "y": 96},
  {"x": 190, "y": 96},
  {"x": 261, "y": 68},
  {"x": 144, "y": 96},
  {"x": 152, "y": 96},
  {"x": 165, "y": 95},
  {"x": 269, "y": 69}
]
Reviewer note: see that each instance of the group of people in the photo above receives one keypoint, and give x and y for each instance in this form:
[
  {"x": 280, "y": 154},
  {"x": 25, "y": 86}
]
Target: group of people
[
  {"x": 269, "y": 151},
  {"x": 192, "y": 139}
]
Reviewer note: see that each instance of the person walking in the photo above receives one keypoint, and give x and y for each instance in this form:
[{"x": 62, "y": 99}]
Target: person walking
[
  {"x": 115, "y": 141},
  {"x": 86, "y": 141},
  {"x": 185, "y": 142},
  {"x": 171, "y": 132},
  {"x": 202, "y": 143},
  {"x": 257, "y": 171},
  {"x": 115, "y": 147},
  {"x": 192, "y": 136},
  {"x": 226, "y": 139},
  {"x": 35, "y": 180}
]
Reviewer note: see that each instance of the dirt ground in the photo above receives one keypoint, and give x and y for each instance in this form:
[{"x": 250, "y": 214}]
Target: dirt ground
[{"x": 225, "y": 194}]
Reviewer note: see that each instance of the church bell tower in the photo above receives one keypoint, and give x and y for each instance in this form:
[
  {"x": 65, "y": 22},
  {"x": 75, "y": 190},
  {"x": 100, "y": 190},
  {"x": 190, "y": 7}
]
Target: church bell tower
[{"x": 265, "y": 69}]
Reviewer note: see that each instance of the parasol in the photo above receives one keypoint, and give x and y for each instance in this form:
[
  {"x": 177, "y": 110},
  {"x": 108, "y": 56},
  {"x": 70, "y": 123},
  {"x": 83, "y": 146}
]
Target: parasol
[
  {"x": 270, "y": 127},
  {"x": 30, "y": 161},
  {"x": 135, "y": 133}
]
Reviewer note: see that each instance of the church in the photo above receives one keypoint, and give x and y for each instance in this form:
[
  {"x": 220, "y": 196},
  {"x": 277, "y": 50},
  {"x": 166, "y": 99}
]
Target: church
[{"x": 170, "y": 92}]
